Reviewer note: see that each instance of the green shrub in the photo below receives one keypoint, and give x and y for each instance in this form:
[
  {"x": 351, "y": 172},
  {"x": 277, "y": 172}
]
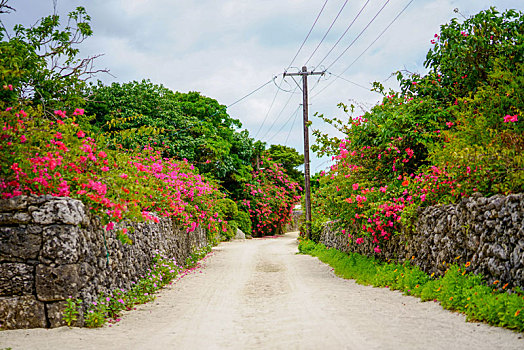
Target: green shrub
[{"x": 244, "y": 222}]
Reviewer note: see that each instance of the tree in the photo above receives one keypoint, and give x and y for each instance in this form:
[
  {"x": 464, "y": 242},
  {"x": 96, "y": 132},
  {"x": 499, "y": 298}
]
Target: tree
[
  {"x": 464, "y": 54},
  {"x": 289, "y": 159},
  {"x": 186, "y": 125},
  {"x": 40, "y": 64}
]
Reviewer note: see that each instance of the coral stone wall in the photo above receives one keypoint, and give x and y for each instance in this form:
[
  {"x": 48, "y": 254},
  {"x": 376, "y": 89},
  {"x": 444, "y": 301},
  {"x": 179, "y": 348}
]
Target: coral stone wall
[
  {"x": 51, "y": 248},
  {"x": 487, "y": 232},
  {"x": 297, "y": 217}
]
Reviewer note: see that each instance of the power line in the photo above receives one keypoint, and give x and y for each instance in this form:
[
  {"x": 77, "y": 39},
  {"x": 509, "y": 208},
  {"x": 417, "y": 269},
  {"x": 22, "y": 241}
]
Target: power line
[
  {"x": 358, "y": 36},
  {"x": 269, "y": 110},
  {"x": 327, "y": 32},
  {"x": 345, "y": 32},
  {"x": 278, "y": 87},
  {"x": 307, "y": 36},
  {"x": 252, "y": 92},
  {"x": 378, "y": 37},
  {"x": 279, "y": 114},
  {"x": 292, "y": 125},
  {"x": 223, "y": 108},
  {"x": 363, "y": 52},
  {"x": 349, "y": 81},
  {"x": 318, "y": 166},
  {"x": 294, "y": 114}
]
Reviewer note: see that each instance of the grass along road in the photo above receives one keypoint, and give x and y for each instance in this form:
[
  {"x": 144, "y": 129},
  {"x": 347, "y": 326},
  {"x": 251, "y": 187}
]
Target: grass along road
[{"x": 259, "y": 294}]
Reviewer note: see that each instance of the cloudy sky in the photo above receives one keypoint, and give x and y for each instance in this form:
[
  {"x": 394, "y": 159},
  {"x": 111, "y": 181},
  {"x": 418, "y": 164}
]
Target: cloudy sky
[{"x": 226, "y": 49}]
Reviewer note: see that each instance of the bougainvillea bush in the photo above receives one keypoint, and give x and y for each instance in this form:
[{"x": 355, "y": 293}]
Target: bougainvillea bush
[
  {"x": 57, "y": 157},
  {"x": 455, "y": 131},
  {"x": 270, "y": 198}
]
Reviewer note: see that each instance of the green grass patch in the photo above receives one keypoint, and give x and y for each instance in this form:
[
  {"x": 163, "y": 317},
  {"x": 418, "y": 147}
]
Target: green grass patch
[{"x": 457, "y": 290}]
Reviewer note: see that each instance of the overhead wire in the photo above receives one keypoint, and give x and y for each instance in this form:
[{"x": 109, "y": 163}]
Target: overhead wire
[
  {"x": 308, "y": 34},
  {"x": 327, "y": 32},
  {"x": 279, "y": 114},
  {"x": 324, "y": 162},
  {"x": 284, "y": 125},
  {"x": 358, "y": 36},
  {"x": 278, "y": 87},
  {"x": 223, "y": 108},
  {"x": 292, "y": 125},
  {"x": 252, "y": 92},
  {"x": 343, "y": 34},
  {"x": 378, "y": 37},
  {"x": 367, "y": 48},
  {"x": 270, "y": 107},
  {"x": 349, "y": 81}
]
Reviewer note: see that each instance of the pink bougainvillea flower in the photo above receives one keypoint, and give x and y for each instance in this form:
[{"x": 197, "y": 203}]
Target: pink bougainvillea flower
[
  {"x": 377, "y": 249},
  {"x": 78, "y": 111},
  {"x": 80, "y": 134},
  {"x": 450, "y": 124},
  {"x": 61, "y": 114},
  {"x": 355, "y": 186},
  {"x": 510, "y": 118},
  {"x": 360, "y": 240},
  {"x": 23, "y": 139},
  {"x": 110, "y": 226}
]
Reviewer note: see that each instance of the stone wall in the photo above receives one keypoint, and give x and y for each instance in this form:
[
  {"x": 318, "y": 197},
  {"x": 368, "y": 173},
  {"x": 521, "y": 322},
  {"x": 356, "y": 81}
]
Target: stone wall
[
  {"x": 487, "y": 232},
  {"x": 52, "y": 248},
  {"x": 297, "y": 218}
]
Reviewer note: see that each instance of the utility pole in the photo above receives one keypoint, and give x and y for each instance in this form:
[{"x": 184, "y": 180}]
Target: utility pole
[{"x": 304, "y": 73}]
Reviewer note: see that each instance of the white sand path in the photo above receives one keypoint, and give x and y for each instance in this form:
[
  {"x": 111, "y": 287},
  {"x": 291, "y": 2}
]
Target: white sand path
[{"x": 259, "y": 294}]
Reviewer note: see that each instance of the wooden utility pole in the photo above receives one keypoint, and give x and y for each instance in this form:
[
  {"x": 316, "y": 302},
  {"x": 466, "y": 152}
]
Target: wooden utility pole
[{"x": 304, "y": 73}]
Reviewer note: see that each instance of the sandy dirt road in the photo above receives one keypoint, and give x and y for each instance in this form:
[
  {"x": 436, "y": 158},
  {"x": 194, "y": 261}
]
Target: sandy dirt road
[{"x": 259, "y": 294}]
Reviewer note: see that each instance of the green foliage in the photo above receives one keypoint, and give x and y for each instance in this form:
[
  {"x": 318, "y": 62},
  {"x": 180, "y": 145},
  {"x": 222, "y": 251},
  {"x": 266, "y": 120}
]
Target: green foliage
[
  {"x": 448, "y": 134},
  {"x": 40, "y": 64},
  {"x": 464, "y": 54},
  {"x": 483, "y": 149},
  {"x": 229, "y": 211},
  {"x": 289, "y": 159},
  {"x": 193, "y": 259},
  {"x": 318, "y": 222},
  {"x": 457, "y": 290},
  {"x": 71, "y": 311},
  {"x": 188, "y": 126},
  {"x": 132, "y": 113},
  {"x": 244, "y": 222},
  {"x": 269, "y": 198}
]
